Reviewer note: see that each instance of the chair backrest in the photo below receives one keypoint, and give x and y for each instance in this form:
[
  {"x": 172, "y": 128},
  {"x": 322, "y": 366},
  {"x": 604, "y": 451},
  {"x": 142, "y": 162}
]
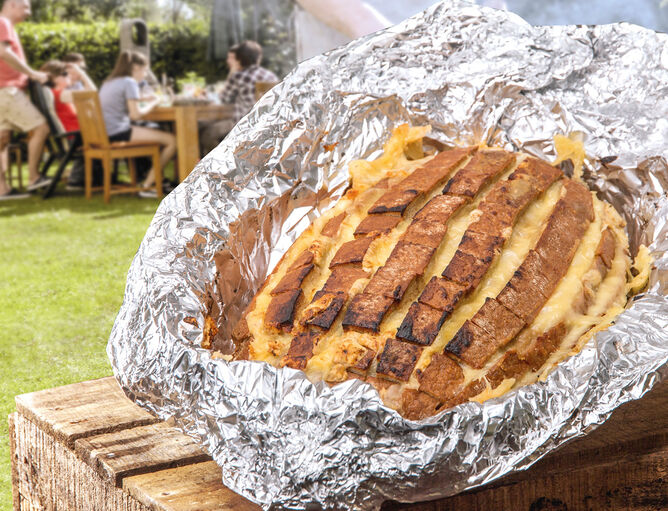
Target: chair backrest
[
  {"x": 261, "y": 88},
  {"x": 91, "y": 121},
  {"x": 42, "y": 97}
]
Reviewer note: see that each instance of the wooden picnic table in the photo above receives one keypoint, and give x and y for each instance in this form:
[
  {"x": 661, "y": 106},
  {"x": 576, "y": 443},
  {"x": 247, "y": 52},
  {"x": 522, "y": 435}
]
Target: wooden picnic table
[
  {"x": 87, "y": 447},
  {"x": 185, "y": 119}
]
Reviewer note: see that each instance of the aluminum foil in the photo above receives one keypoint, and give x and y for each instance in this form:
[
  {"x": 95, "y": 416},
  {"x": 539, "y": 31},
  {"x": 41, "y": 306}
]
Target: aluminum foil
[{"x": 474, "y": 74}]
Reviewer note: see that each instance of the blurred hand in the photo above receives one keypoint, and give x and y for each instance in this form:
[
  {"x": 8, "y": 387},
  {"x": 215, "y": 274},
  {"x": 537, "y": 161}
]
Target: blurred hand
[
  {"x": 74, "y": 70},
  {"x": 39, "y": 76}
]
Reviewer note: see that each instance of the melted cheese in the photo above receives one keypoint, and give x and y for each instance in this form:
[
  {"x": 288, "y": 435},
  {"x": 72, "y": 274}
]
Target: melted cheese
[
  {"x": 270, "y": 346},
  {"x": 524, "y": 237},
  {"x": 337, "y": 350},
  {"x": 367, "y": 173},
  {"x": 608, "y": 302},
  {"x": 490, "y": 393},
  {"x": 642, "y": 265},
  {"x": 571, "y": 148}
]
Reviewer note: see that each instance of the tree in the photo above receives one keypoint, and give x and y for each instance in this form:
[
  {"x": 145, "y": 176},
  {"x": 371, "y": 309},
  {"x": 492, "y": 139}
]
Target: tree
[
  {"x": 50, "y": 11},
  {"x": 157, "y": 11}
]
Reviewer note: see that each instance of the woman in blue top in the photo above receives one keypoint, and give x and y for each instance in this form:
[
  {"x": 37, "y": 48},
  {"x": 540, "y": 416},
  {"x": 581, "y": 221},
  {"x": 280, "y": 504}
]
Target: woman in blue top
[{"x": 119, "y": 97}]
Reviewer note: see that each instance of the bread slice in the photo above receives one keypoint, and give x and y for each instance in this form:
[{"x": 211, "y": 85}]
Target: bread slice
[{"x": 453, "y": 277}]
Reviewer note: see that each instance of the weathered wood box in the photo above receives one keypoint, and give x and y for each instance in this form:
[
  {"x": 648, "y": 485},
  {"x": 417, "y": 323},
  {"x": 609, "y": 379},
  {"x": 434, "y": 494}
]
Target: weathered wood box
[{"x": 87, "y": 447}]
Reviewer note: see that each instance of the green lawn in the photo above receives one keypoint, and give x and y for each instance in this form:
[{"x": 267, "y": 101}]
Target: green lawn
[{"x": 63, "y": 263}]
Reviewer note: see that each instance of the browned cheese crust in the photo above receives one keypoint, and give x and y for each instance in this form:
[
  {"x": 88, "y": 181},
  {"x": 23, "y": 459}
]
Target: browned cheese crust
[{"x": 391, "y": 307}]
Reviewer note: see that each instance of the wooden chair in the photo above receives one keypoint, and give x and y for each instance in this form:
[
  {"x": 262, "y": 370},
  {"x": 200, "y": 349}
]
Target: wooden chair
[
  {"x": 96, "y": 145},
  {"x": 61, "y": 146},
  {"x": 261, "y": 88}
]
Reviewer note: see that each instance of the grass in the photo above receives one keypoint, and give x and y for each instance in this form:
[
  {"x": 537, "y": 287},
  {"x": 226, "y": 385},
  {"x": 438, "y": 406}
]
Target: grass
[{"x": 63, "y": 264}]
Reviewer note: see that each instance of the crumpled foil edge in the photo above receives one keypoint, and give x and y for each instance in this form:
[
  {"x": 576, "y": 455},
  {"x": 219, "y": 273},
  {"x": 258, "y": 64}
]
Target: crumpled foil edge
[{"x": 474, "y": 74}]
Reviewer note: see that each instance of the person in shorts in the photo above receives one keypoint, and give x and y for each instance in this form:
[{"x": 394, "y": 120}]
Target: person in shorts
[
  {"x": 120, "y": 100},
  {"x": 16, "y": 110}
]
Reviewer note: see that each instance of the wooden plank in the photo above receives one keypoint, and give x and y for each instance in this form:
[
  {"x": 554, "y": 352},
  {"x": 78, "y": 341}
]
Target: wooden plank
[
  {"x": 120, "y": 454},
  {"x": 185, "y": 119},
  {"x": 51, "y": 477},
  {"x": 215, "y": 112},
  {"x": 636, "y": 483},
  {"x": 594, "y": 472},
  {"x": 82, "y": 409},
  {"x": 13, "y": 456},
  {"x": 621, "y": 465},
  {"x": 186, "y": 488}
]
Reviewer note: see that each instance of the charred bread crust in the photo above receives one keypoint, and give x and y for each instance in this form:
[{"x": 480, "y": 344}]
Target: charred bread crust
[
  {"x": 397, "y": 360},
  {"x": 378, "y": 309},
  {"x": 377, "y": 224},
  {"x": 478, "y": 172}
]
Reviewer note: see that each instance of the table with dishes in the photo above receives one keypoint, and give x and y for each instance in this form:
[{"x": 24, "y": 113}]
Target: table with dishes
[{"x": 184, "y": 116}]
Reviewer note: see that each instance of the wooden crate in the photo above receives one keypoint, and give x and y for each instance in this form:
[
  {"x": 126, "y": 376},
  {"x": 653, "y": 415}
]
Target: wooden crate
[{"x": 87, "y": 447}]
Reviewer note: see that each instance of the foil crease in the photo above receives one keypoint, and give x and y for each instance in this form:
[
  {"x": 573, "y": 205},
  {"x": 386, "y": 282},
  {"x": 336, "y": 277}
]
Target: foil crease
[{"x": 474, "y": 74}]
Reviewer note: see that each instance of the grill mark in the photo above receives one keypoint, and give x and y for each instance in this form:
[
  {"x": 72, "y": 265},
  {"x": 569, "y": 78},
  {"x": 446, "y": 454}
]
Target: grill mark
[
  {"x": 481, "y": 243},
  {"x": 281, "y": 310},
  {"x": 525, "y": 294},
  {"x": 423, "y": 236},
  {"x": 393, "y": 201},
  {"x": 363, "y": 363},
  {"x": 442, "y": 378},
  {"x": 323, "y": 309},
  {"x": 352, "y": 251},
  {"x": 407, "y": 261},
  {"x": 292, "y": 280},
  {"x": 423, "y": 179},
  {"x": 478, "y": 172},
  {"x": 286, "y": 295},
  {"x": 366, "y": 311},
  {"x": 422, "y": 323},
  {"x": 519, "y": 360},
  {"x": 377, "y": 224},
  {"x": 332, "y": 226},
  {"x": 397, "y": 360},
  {"x": 300, "y": 350},
  {"x": 328, "y": 302},
  {"x": 418, "y": 405}
]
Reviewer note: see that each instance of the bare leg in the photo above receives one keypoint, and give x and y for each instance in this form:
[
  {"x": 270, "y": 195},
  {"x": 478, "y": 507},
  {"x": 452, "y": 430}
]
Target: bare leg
[
  {"x": 35, "y": 148},
  {"x": 4, "y": 161},
  {"x": 167, "y": 142}
]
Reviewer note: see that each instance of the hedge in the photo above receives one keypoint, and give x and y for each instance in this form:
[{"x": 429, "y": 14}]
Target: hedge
[{"x": 175, "y": 49}]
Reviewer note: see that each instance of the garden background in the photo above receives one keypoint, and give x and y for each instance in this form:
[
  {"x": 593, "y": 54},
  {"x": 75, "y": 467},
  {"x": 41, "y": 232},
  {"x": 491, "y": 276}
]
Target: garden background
[
  {"x": 63, "y": 261},
  {"x": 179, "y": 34}
]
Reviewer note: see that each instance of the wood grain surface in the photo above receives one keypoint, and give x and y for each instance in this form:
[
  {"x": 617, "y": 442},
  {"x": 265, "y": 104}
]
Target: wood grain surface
[
  {"x": 186, "y": 488},
  {"x": 82, "y": 409},
  {"x": 87, "y": 447},
  {"x": 138, "y": 450}
]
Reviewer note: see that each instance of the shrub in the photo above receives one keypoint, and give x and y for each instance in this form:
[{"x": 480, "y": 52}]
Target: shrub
[
  {"x": 175, "y": 49},
  {"x": 99, "y": 42}
]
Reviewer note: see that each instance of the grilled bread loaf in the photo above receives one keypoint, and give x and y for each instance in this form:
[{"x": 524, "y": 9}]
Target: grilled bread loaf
[{"x": 444, "y": 278}]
